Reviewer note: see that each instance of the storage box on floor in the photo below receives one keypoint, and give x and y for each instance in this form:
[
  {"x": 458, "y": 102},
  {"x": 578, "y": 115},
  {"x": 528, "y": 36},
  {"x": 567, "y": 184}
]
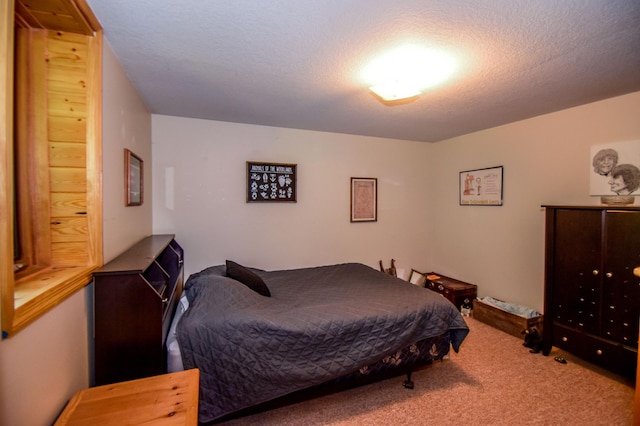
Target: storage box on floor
[
  {"x": 457, "y": 292},
  {"x": 503, "y": 320}
]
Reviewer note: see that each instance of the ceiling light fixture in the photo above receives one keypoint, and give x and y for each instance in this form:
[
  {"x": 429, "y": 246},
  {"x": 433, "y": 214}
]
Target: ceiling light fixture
[
  {"x": 394, "y": 90},
  {"x": 403, "y": 73}
]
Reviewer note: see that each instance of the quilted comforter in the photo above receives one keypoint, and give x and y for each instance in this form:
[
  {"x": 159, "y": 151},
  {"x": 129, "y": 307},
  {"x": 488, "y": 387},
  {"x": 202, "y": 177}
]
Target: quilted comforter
[{"x": 319, "y": 324}]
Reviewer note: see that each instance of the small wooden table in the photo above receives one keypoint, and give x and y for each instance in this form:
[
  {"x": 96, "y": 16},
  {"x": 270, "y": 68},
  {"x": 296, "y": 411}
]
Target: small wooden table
[{"x": 168, "y": 399}]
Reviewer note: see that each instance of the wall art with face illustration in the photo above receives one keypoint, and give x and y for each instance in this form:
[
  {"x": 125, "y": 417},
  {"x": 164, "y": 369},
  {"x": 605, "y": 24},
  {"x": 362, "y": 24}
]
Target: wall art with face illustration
[{"x": 615, "y": 169}]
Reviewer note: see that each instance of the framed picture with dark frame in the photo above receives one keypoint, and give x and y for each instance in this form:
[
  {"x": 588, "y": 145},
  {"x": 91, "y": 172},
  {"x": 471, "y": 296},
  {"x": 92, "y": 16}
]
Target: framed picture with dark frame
[
  {"x": 364, "y": 199},
  {"x": 271, "y": 182},
  {"x": 481, "y": 187},
  {"x": 133, "y": 178}
]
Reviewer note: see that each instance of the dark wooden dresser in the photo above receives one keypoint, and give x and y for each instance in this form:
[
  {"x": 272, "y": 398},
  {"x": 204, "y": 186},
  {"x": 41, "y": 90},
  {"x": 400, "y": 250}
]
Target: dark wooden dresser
[
  {"x": 135, "y": 297},
  {"x": 592, "y": 284}
]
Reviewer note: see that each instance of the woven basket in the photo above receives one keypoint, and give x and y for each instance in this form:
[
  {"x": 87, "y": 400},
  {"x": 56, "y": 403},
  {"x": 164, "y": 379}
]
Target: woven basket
[{"x": 617, "y": 200}]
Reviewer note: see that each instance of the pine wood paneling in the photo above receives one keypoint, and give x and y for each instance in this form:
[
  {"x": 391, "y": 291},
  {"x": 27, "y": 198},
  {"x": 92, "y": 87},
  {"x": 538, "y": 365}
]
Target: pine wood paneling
[
  {"x": 60, "y": 15},
  {"x": 59, "y": 86},
  {"x": 39, "y": 188},
  {"x": 6, "y": 157},
  {"x": 94, "y": 144},
  {"x": 69, "y": 46},
  {"x": 20, "y": 144},
  {"x": 67, "y": 129},
  {"x": 67, "y": 62},
  {"x": 69, "y": 254},
  {"x": 63, "y": 154},
  {"x": 67, "y": 204},
  {"x": 68, "y": 104},
  {"x": 66, "y": 179},
  {"x": 67, "y": 75},
  {"x": 69, "y": 229}
]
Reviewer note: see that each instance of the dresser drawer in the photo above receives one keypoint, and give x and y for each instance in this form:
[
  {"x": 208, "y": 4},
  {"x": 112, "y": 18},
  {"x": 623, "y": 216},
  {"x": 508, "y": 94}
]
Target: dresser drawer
[{"x": 605, "y": 353}]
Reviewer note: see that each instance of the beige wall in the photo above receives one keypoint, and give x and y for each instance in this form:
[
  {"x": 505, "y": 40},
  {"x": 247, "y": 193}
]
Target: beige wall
[
  {"x": 546, "y": 161},
  {"x": 126, "y": 124},
  {"x": 42, "y": 366},
  {"x": 199, "y": 194},
  {"x": 199, "y": 180}
]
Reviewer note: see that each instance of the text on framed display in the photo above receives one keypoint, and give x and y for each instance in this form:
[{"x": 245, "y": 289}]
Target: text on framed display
[
  {"x": 275, "y": 182},
  {"x": 481, "y": 187}
]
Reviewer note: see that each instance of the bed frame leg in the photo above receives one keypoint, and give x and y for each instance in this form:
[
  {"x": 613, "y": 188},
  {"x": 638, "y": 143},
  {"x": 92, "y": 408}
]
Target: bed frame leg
[{"x": 408, "y": 383}]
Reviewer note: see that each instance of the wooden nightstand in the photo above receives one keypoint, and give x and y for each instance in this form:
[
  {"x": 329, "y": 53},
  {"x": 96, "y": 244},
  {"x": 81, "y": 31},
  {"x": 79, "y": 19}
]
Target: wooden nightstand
[{"x": 168, "y": 399}]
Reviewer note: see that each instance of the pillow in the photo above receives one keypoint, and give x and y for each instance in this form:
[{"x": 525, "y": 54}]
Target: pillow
[{"x": 247, "y": 277}]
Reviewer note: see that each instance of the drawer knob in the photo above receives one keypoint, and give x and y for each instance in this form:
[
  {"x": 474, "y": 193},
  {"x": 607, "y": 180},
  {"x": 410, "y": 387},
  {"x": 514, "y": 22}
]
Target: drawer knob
[
  {"x": 595, "y": 272},
  {"x": 608, "y": 274},
  {"x": 599, "y": 352},
  {"x": 440, "y": 287},
  {"x": 564, "y": 339},
  {"x": 636, "y": 271}
]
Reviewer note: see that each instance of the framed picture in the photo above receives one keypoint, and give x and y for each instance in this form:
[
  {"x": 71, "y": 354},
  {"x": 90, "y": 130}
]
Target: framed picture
[
  {"x": 133, "y": 178},
  {"x": 417, "y": 278},
  {"x": 271, "y": 182},
  {"x": 614, "y": 169},
  {"x": 364, "y": 199},
  {"x": 481, "y": 187}
]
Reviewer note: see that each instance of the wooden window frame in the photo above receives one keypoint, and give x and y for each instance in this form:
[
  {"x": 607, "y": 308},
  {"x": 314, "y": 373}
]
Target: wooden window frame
[{"x": 26, "y": 142}]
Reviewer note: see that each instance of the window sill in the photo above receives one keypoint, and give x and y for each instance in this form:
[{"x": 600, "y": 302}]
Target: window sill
[{"x": 39, "y": 292}]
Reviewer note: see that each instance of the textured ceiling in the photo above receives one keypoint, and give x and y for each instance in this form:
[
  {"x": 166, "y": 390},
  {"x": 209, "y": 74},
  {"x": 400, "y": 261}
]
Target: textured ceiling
[{"x": 298, "y": 63}]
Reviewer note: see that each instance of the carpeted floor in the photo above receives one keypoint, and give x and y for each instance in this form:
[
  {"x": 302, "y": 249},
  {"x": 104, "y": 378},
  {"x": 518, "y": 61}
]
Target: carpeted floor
[{"x": 494, "y": 380}]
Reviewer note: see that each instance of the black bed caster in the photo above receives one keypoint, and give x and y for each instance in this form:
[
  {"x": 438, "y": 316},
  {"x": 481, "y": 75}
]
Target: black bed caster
[{"x": 408, "y": 383}]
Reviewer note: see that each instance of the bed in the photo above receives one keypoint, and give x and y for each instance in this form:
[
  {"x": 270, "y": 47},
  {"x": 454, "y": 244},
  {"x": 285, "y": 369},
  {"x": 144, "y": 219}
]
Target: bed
[{"x": 259, "y": 335}]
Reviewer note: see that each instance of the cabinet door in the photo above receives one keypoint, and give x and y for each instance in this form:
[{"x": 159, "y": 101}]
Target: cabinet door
[
  {"x": 621, "y": 288},
  {"x": 577, "y": 264}
]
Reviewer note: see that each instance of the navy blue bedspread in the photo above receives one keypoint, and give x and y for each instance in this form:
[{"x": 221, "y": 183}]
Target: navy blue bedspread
[{"x": 319, "y": 324}]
